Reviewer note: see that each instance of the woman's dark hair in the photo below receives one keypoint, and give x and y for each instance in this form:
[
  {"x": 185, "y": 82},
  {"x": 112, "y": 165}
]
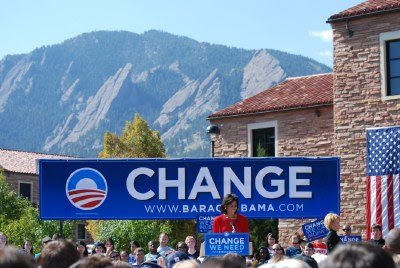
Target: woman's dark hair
[
  {"x": 23, "y": 245},
  {"x": 82, "y": 243},
  {"x": 228, "y": 199},
  {"x": 136, "y": 243},
  {"x": 109, "y": 240},
  {"x": 257, "y": 255},
  {"x": 357, "y": 255},
  {"x": 310, "y": 245}
]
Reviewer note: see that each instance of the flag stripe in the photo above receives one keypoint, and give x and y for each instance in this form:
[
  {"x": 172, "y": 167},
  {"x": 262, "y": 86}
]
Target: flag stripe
[
  {"x": 396, "y": 200},
  {"x": 378, "y": 200},
  {"x": 384, "y": 204},
  {"x": 368, "y": 207},
  {"x": 390, "y": 202}
]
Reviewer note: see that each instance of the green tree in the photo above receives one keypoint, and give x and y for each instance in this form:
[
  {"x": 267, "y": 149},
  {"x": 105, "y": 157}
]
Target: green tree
[
  {"x": 19, "y": 220},
  {"x": 137, "y": 141}
]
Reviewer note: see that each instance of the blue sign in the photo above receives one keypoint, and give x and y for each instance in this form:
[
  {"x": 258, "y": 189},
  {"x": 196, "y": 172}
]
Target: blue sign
[
  {"x": 223, "y": 243},
  {"x": 185, "y": 188},
  {"x": 350, "y": 239},
  {"x": 204, "y": 223},
  {"x": 314, "y": 230}
]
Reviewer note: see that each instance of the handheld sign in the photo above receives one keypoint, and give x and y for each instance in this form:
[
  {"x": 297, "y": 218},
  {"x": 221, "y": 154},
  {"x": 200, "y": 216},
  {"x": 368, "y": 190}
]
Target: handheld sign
[
  {"x": 314, "y": 230},
  {"x": 204, "y": 223},
  {"x": 350, "y": 238},
  {"x": 217, "y": 244},
  {"x": 184, "y": 188}
]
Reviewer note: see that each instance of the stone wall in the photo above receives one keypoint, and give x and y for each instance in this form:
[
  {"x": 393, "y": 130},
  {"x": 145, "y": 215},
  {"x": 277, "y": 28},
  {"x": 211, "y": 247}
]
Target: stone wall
[
  {"x": 301, "y": 132},
  {"x": 358, "y": 105},
  {"x": 13, "y": 178}
]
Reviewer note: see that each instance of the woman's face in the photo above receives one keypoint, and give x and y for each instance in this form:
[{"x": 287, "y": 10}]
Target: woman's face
[
  {"x": 81, "y": 249},
  {"x": 190, "y": 242},
  {"x": 108, "y": 244},
  {"x": 99, "y": 250},
  {"x": 271, "y": 241},
  {"x": 336, "y": 225},
  {"x": 231, "y": 209},
  {"x": 3, "y": 240},
  {"x": 28, "y": 246},
  {"x": 277, "y": 249},
  {"x": 133, "y": 247}
]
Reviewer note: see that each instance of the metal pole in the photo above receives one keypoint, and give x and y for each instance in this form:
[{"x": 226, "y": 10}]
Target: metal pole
[
  {"x": 212, "y": 148},
  {"x": 60, "y": 230}
]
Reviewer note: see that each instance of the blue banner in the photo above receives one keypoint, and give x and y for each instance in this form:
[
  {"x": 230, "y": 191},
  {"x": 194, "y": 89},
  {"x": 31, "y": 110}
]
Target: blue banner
[
  {"x": 350, "y": 239},
  {"x": 186, "y": 188},
  {"x": 204, "y": 223},
  {"x": 223, "y": 243},
  {"x": 314, "y": 230}
]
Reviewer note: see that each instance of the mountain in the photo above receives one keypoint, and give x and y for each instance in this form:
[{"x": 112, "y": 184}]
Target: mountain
[{"x": 62, "y": 98}]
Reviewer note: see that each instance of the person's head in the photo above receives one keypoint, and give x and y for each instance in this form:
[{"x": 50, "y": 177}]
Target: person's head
[
  {"x": 212, "y": 262},
  {"x": 134, "y": 245},
  {"x": 46, "y": 240},
  {"x": 11, "y": 257},
  {"x": 295, "y": 240},
  {"x": 114, "y": 255},
  {"x": 163, "y": 239},
  {"x": 271, "y": 240},
  {"x": 94, "y": 261},
  {"x": 181, "y": 246},
  {"x": 309, "y": 249},
  {"x": 346, "y": 229},
  {"x": 27, "y": 246},
  {"x": 99, "y": 248},
  {"x": 392, "y": 241},
  {"x": 109, "y": 243},
  {"x": 124, "y": 256},
  {"x": 190, "y": 242},
  {"x": 332, "y": 221},
  {"x": 139, "y": 255},
  {"x": 58, "y": 254},
  {"x": 278, "y": 249},
  {"x": 175, "y": 257},
  {"x": 81, "y": 248},
  {"x": 187, "y": 264},
  {"x": 152, "y": 246},
  {"x": 307, "y": 259},
  {"x": 366, "y": 255},
  {"x": 3, "y": 240},
  {"x": 230, "y": 204},
  {"x": 262, "y": 254},
  {"x": 233, "y": 260},
  {"x": 376, "y": 232}
]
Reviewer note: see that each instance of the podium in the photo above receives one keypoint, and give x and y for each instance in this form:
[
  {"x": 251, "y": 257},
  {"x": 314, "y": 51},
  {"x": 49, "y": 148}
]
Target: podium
[{"x": 219, "y": 244}]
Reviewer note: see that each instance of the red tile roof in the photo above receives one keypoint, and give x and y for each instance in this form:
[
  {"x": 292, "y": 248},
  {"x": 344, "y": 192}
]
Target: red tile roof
[
  {"x": 23, "y": 162},
  {"x": 367, "y": 8},
  {"x": 297, "y": 92}
]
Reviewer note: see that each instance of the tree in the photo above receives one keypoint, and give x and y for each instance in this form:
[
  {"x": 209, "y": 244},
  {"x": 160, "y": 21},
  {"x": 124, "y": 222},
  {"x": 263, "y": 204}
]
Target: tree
[
  {"x": 19, "y": 220},
  {"x": 137, "y": 141}
]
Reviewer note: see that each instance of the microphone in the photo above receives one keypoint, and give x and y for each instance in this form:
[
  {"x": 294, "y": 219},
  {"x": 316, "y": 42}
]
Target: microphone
[{"x": 233, "y": 227}]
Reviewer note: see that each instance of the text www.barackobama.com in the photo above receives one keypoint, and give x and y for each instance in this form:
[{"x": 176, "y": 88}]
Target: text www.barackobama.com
[{"x": 198, "y": 208}]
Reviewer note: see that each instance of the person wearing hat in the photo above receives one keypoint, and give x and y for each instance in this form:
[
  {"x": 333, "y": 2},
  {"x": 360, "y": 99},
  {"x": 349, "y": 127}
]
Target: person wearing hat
[
  {"x": 99, "y": 248},
  {"x": 175, "y": 257}
]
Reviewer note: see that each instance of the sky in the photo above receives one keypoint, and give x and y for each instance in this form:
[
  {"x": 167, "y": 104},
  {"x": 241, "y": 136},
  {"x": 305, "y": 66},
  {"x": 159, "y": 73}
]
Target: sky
[{"x": 294, "y": 26}]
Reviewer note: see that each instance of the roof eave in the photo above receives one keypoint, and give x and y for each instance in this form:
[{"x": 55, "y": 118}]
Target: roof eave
[
  {"x": 270, "y": 111},
  {"x": 357, "y": 16}
]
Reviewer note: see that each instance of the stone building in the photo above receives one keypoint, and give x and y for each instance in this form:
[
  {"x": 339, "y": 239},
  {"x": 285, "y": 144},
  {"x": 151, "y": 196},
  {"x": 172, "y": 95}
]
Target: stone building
[
  {"x": 328, "y": 114},
  {"x": 21, "y": 172}
]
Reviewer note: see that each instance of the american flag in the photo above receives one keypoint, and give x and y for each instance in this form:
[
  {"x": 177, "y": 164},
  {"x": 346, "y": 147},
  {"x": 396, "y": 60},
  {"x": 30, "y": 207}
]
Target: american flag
[{"x": 383, "y": 169}]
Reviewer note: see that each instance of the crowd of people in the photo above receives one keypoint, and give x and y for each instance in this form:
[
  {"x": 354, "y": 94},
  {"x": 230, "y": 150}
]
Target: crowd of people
[{"x": 327, "y": 252}]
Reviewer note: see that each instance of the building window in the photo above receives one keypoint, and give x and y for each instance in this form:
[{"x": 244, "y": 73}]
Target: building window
[
  {"x": 80, "y": 231},
  {"x": 393, "y": 67},
  {"x": 25, "y": 190},
  {"x": 390, "y": 64},
  {"x": 262, "y": 139}
]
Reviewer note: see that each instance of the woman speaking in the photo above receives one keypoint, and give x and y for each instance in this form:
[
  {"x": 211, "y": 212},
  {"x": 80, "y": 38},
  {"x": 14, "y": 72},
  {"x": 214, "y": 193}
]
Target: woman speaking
[{"x": 230, "y": 221}]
